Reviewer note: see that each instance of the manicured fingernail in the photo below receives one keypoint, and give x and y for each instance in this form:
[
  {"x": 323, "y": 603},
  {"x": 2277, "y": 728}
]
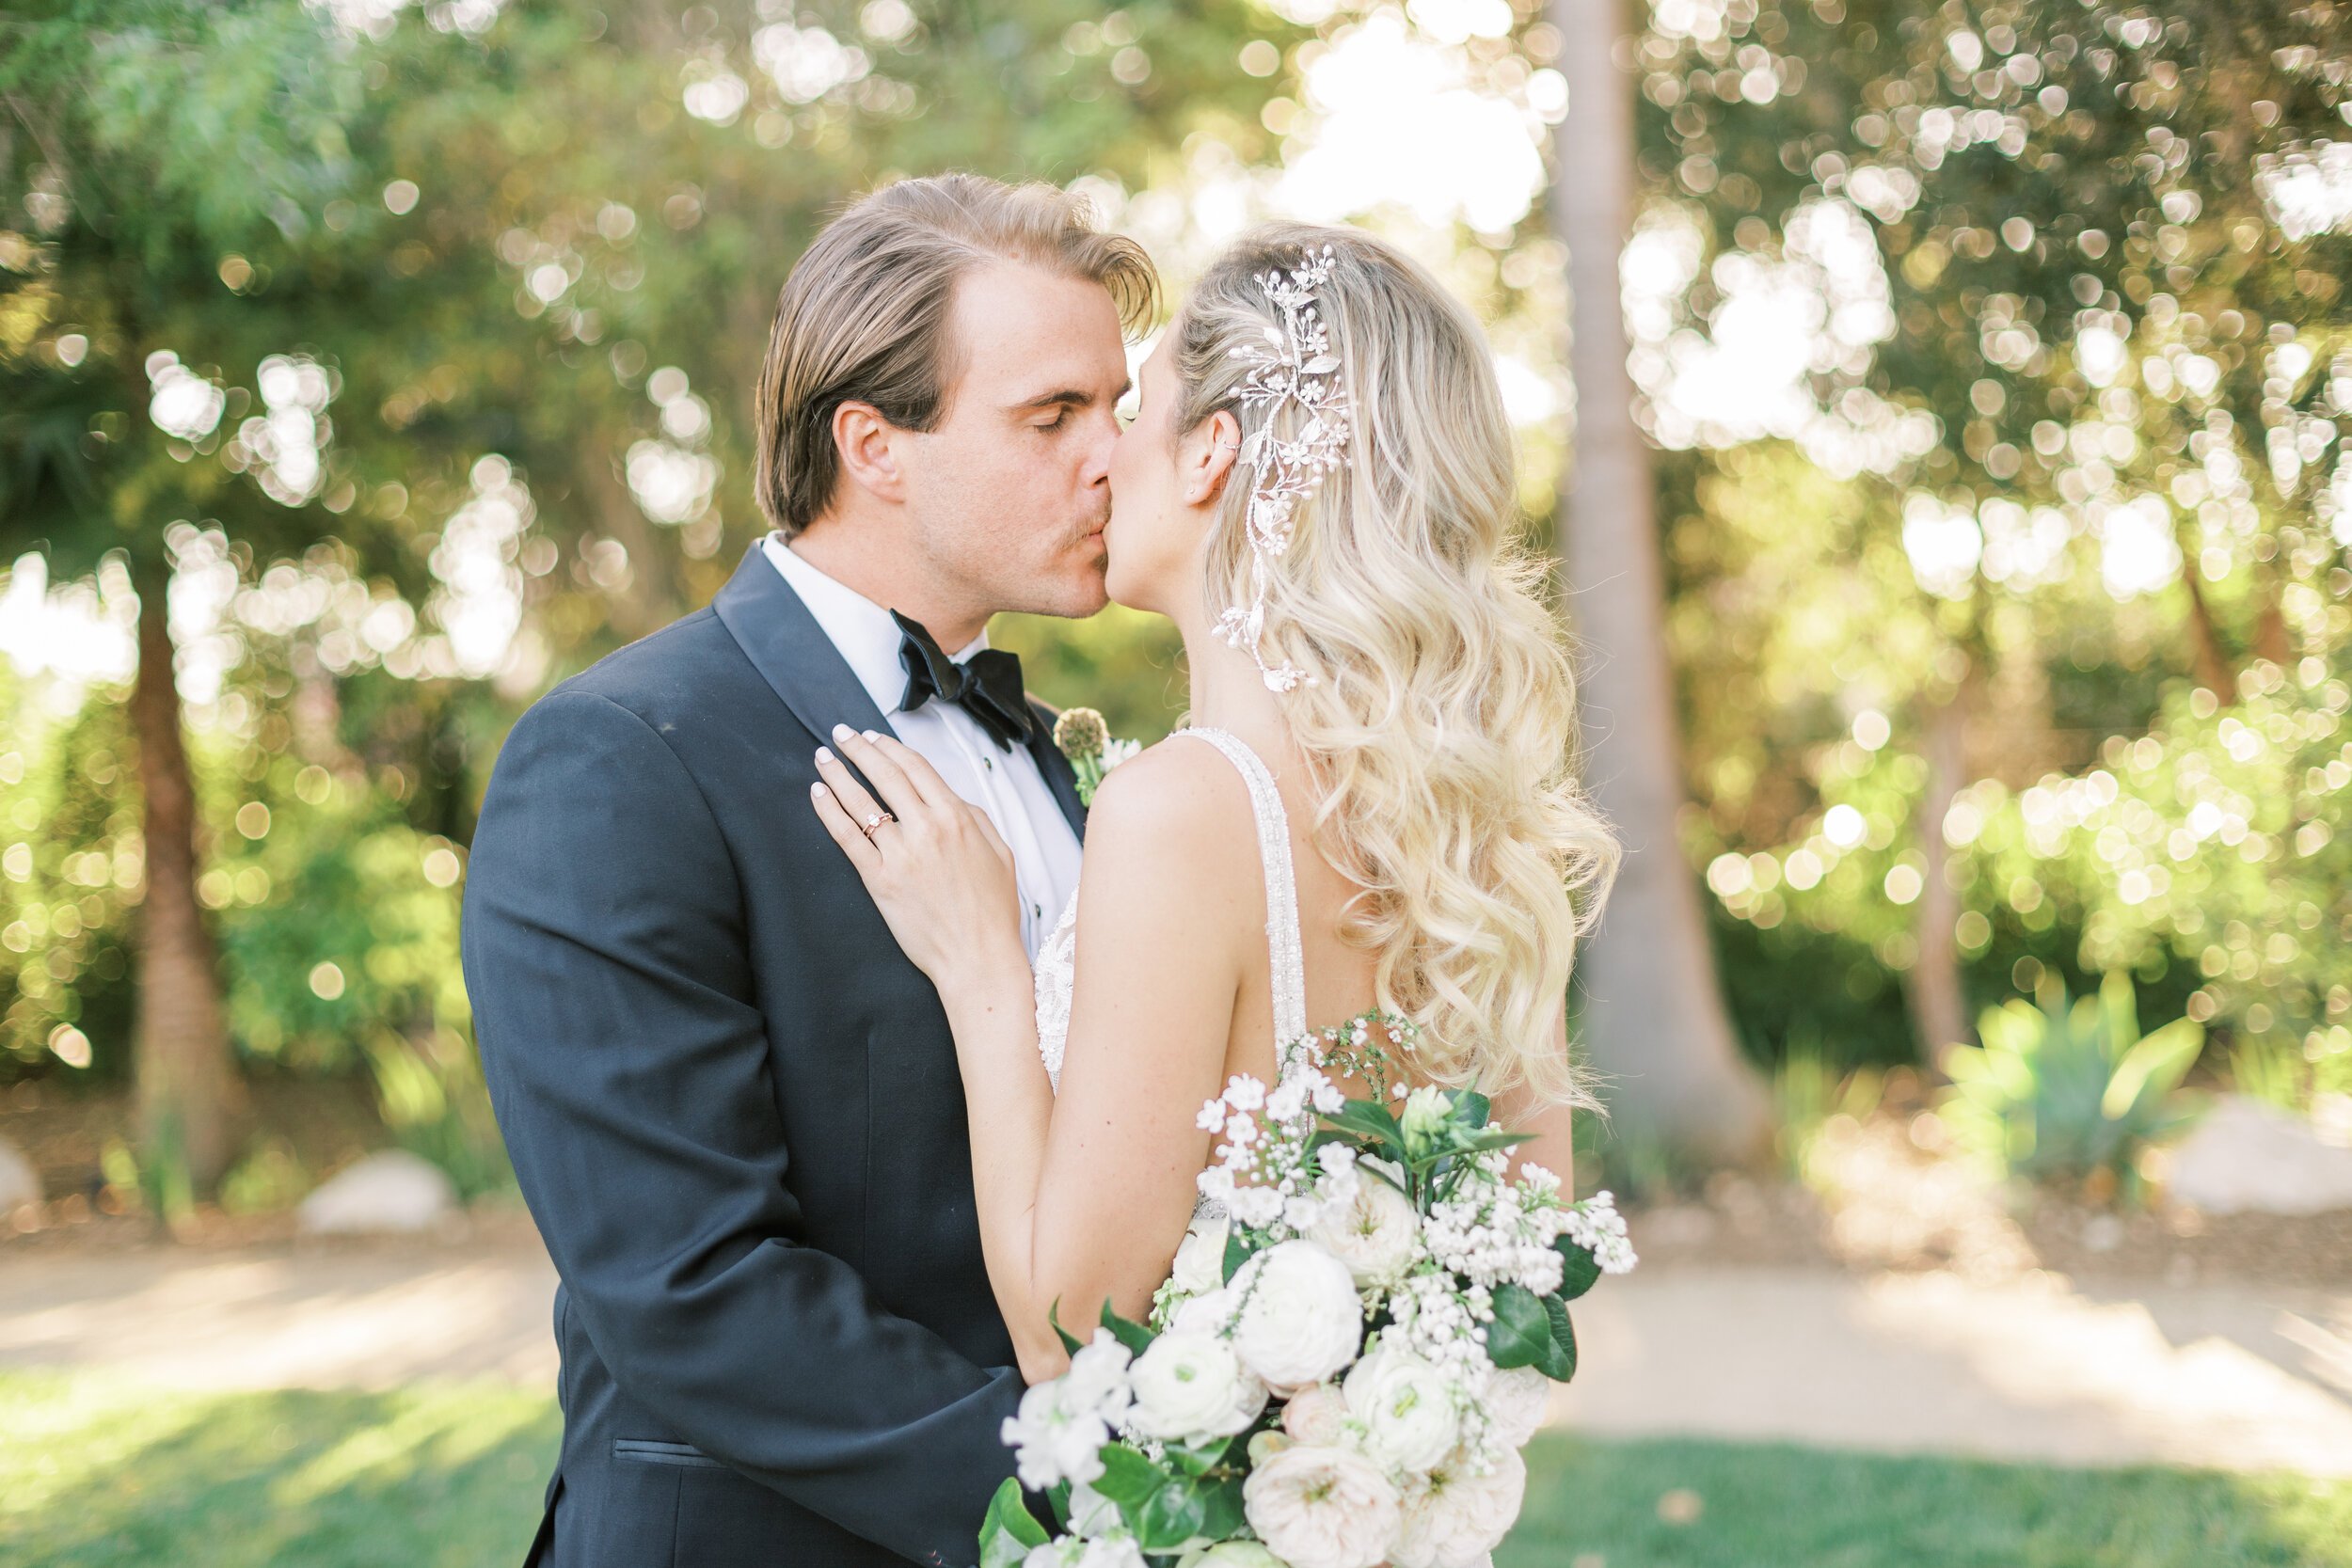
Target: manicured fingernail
[
  {"x": 824, "y": 753},
  {"x": 841, "y": 732},
  {"x": 871, "y": 735},
  {"x": 818, "y": 789}
]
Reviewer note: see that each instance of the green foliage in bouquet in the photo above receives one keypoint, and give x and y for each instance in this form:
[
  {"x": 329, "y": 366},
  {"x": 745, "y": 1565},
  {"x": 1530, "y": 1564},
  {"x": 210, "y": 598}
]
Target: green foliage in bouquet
[{"x": 2064, "y": 1091}]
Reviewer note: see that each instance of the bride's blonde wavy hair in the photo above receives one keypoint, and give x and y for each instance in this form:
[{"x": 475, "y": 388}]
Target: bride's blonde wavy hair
[{"x": 1439, "y": 726}]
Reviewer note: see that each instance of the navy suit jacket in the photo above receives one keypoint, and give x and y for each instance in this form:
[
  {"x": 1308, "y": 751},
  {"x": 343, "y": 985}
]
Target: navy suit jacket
[{"x": 734, "y": 1108}]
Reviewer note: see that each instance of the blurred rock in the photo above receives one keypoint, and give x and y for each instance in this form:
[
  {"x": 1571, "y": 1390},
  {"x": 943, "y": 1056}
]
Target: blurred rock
[
  {"x": 20, "y": 1184},
  {"x": 392, "y": 1190},
  {"x": 2250, "y": 1156}
]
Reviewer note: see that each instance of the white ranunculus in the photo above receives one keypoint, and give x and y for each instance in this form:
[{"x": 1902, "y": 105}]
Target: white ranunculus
[
  {"x": 1301, "y": 1320},
  {"x": 1189, "y": 1385},
  {"x": 1231, "y": 1554},
  {"x": 1407, "y": 1406},
  {"x": 1516, "y": 1401},
  {"x": 1375, "y": 1234},
  {"x": 1208, "y": 1313},
  {"x": 1200, "y": 1260},
  {"x": 1455, "y": 1518},
  {"x": 1322, "y": 1507},
  {"x": 1316, "y": 1415}
]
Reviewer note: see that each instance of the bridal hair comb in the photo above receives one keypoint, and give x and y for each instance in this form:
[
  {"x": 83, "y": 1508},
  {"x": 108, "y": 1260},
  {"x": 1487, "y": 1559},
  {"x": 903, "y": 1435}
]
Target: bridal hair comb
[{"x": 1293, "y": 365}]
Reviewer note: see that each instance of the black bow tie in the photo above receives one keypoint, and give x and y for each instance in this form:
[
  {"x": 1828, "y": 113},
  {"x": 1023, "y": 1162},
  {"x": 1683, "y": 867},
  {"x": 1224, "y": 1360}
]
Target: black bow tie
[{"x": 987, "y": 686}]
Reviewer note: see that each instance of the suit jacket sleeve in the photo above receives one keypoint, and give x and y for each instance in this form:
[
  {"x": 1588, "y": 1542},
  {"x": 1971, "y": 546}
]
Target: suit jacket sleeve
[{"x": 629, "y": 1069}]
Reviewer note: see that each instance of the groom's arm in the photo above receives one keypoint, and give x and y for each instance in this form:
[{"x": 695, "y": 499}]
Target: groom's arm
[{"x": 607, "y": 964}]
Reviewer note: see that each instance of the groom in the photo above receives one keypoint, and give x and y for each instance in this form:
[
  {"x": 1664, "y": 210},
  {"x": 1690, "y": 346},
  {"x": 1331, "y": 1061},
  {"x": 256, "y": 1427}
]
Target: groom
[{"x": 732, "y": 1102}]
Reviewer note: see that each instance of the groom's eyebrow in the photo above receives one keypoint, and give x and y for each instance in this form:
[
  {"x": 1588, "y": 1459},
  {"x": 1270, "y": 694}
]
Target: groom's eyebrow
[{"x": 1073, "y": 397}]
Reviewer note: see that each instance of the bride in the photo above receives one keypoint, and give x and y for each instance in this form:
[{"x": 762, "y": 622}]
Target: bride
[{"x": 1373, "y": 808}]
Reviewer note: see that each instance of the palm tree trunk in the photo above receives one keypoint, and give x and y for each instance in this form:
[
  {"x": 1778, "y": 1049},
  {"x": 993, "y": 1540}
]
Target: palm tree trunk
[
  {"x": 1653, "y": 1017},
  {"x": 188, "y": 1092}
]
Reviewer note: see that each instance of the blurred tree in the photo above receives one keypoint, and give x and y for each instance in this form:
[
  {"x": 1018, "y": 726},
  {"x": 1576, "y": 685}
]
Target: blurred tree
[
  {"x": 2092, "y": 408},
  {"x": 1652, "y": 1013},
  {"x": 147, "y": 142}
]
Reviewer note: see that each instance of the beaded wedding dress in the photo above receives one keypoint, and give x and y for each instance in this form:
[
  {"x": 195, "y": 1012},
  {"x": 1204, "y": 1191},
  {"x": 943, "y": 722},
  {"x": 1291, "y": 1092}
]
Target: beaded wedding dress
[{"x": 1056, "y": 968}]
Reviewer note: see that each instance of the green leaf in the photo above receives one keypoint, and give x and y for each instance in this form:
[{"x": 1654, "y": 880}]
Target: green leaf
[
  {"x": 2153, "y": 1066},
  {"x": 1520, "y": 1335},
  {"x": 1559, "y": 1363},
  {"x": 1171, "y": 1516},
  {"x": 1483, "y": 1141},
  {"x": 1578, "y": 1268},
  {"x": 1222, "y": 1509},
  {"x": 1368, "y": 1120},
  {"x": 1069, "y": 1342},
  {"x": 1473, "y": 1109},
  {"x": 1009, "y": 1530},
  {"x": 1136, "y": 1338},
  {"x": 1238, "y": 1250},
  {"x": 1127, "y": 1479}
]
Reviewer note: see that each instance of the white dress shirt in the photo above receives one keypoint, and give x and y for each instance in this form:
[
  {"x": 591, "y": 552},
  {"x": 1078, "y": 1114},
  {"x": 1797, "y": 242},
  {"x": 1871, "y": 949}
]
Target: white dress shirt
[{"x": 1005, "y": 785}]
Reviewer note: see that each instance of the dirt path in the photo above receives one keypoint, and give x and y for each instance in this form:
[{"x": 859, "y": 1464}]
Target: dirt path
[{"x": 2227, "y": 1376}]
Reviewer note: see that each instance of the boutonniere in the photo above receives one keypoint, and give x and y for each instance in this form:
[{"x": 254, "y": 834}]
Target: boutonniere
[{"x": 1081, "y": 736}]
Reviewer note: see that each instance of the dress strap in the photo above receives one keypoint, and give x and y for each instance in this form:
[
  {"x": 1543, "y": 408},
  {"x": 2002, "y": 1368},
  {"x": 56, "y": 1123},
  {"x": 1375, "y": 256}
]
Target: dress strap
[{"x": 1281, "y": 886}]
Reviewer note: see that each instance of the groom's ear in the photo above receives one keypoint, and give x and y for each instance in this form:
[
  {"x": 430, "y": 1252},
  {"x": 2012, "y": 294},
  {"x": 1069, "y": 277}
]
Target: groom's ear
[
  {"x": 1208, "y": 457},
  {"x": 870, "y": 459}
]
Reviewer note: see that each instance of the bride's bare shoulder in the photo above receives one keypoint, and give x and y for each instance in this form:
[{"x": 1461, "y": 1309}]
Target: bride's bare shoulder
[{"x": 1179, "y": 801}]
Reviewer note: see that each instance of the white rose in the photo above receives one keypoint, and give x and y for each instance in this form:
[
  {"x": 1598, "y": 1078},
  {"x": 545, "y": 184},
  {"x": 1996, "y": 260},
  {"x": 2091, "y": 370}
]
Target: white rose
[
  {"x": 1316, "y": 1415},
  {"x": 1375, "y": 1232},
  {"x": 1301, "y": 1320},
  {"x": 1516, "y": 1402},
  {"x": 1190, "y": 1384},
  {"x": 1425, "y": 1111},
  {"x": 1454, "y": 1518},
  {"x": 1407, "y": 1405},
  {"x": 1200, "y": 1260},
  {"x": 1322, "y": 1507}
]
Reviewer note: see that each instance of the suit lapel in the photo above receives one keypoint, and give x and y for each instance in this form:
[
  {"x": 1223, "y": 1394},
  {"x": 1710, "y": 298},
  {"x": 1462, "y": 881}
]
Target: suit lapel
[
  {"x": 794, "y": 656},
  {"x": 1060, "y": 777},
  {"x": 791, "y": 651}
]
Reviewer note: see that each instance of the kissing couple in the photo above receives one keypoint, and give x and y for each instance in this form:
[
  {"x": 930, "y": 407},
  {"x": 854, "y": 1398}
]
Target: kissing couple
[{"x": 822, "y": 1081}]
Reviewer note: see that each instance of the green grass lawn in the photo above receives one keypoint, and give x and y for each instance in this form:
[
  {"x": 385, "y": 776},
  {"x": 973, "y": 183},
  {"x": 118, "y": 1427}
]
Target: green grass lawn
[{"x": 96, "y": 1471}]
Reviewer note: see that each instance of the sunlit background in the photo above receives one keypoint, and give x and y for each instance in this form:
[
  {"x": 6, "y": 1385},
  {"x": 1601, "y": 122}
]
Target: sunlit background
[{"x": 375, "y": 366}]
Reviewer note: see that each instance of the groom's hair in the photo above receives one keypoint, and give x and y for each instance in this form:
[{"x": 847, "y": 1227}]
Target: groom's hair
[{"x": 864, "y": 316}]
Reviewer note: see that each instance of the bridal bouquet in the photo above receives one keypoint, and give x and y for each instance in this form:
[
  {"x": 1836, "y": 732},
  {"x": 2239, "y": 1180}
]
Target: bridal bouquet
[{"x": 1346, "y": 1361}]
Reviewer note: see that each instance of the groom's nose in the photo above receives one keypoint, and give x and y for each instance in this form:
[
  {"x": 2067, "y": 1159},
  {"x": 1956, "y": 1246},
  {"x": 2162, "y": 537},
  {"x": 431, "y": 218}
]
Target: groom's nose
[{"x": 1095, "y": 461}]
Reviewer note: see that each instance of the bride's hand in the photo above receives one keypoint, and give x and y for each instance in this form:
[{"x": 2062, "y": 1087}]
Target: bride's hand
[{"x": 936, "y": 866}]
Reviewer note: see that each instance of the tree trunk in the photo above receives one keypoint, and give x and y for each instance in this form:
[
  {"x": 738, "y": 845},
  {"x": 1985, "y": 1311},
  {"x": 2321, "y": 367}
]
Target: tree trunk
[
  {"x": 1938, "y": 1012},
  {"x": 188, "y": 1092},
  {"x": 2211, "y": 662},
  {"x": 1653, "y": 1017}
]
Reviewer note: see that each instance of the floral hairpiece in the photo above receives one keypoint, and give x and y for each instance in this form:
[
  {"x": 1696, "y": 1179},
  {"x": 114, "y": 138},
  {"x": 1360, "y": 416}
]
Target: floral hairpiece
[{"x": 1294, "y": 365}]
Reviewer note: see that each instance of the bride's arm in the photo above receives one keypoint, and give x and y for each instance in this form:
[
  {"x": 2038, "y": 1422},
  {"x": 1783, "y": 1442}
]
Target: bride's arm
[{"x": 1084, "y": 1199}]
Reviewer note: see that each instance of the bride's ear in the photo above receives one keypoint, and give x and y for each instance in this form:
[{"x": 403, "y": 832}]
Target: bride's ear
[{"x": 1208, "y": 457}]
